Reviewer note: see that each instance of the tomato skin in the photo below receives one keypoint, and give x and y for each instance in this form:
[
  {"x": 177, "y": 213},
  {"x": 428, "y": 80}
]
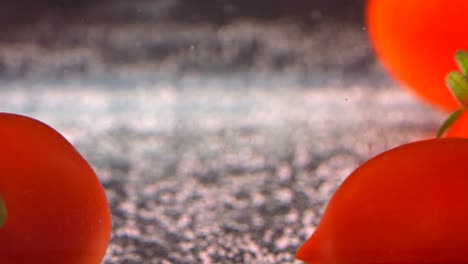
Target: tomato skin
[
  {"x": 406, "y": 205},
  {"x": 57, "y": 208},
  {"x": 416, "y": 40}
]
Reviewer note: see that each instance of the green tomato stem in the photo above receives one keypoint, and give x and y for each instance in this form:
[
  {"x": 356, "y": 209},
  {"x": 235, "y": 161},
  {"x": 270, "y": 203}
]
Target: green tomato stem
[
  {"x": 461, "y": 57},
  {"x": 458, "y": 85},
  {"x": 458, "y": 81},
  {"x": 3, "y": 212},
  {"x": 449, "y": 121}
]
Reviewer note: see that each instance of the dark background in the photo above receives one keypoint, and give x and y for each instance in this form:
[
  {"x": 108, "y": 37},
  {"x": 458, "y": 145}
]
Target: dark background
[
  {"x": 306, "y": 43},
  {"x": 212, "y": 11}
]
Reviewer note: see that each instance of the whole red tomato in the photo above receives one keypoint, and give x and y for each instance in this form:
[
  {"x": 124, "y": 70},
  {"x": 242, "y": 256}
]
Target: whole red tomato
[
  {"x": 416, "y": 40},
  {"x": 57, "y": 211},
  {"x": 406, "y": 205}
]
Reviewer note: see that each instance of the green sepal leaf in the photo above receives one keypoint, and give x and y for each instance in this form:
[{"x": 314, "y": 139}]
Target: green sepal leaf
[
  {"x": 449, "y": 121},
  {"x": 458, "y": 85},
  {"x": 3, "y": 212},
  {"x": 461, "y": 57}
]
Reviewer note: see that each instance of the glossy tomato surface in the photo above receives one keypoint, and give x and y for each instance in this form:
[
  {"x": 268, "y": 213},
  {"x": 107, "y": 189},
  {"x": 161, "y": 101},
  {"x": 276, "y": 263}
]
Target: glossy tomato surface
[
  {"x": 57, "y": 208},
  {"x": 406, "y": 205},
  {"x": 416, "y": 40}
]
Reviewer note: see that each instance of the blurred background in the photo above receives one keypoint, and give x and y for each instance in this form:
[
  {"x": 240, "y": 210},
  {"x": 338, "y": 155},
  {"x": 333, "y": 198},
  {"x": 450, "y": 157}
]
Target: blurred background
[
  {"x": 218, "y": 128},
  {"x": 304, "y": 42}
]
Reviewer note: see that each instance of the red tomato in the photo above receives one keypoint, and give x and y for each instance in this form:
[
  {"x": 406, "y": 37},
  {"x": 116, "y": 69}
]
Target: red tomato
[
  {"x": 406, "y": 205},
  {"x": 416, "y": 40},
  {"x": 57, "y": 209}
]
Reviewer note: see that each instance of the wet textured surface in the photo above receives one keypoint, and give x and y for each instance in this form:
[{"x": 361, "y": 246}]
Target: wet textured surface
[
  {"x": 216, "y": 142},
  {"x": 222, "y": 176}
]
